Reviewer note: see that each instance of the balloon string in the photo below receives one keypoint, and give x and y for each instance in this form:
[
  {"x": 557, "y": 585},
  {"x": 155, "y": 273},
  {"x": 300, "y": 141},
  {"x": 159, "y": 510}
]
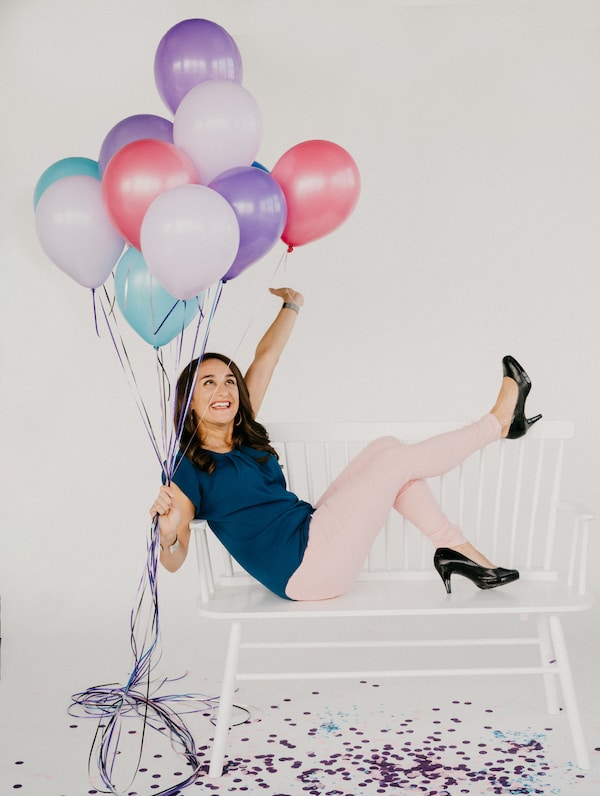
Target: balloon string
[
  {"x": 175, "y": 433},
  {"x": 95, "y": 312},
  {"x": 126, "y": 365},
  {"x": 259, "y": 304},
  {"x": 167, "y": 316},
  {"x": 173, "y": 463},
  {"x": 169, "y": 444},
  {"x": 192, "y": 381},
  {"x": 164, "y": 390},
  {"x": 112, "y": 703}
]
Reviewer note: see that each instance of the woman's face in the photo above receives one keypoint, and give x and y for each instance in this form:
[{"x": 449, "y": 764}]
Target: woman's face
[{"x": 216, "y": 398}]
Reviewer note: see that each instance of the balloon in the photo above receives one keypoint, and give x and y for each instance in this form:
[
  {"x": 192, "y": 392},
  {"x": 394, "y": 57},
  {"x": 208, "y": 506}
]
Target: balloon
[
  {"x": 134, "y": 128},
  {"x": 259, "y": 205},
  {"x": 75, "y": 231},
  {"x": 64, "y": 168},
  {"x": 153, "y": 313},
  {"x": 136, "y": 175},
  {"x": 191, "y": 52},
  {"x": 260, "y": 166},
  {"x": 321, "y": 184},
  {"x": 190, "y": 236},
  {"x": 218, "y": 124}
]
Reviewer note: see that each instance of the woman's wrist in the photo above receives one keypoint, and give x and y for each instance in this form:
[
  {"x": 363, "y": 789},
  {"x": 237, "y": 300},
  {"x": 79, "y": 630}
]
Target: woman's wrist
[
  {"x": 291, "y": 305},
  {"x": 172, "y": 547}
]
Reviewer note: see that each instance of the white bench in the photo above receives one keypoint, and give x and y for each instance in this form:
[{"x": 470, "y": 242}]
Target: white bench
[{"x": 506, "y": 499}]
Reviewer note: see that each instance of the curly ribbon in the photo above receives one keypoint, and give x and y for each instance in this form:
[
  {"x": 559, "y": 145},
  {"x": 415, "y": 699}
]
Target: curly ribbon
[
  {"x": 140, "y": 697},
  {"x": 111, "y": 703}
]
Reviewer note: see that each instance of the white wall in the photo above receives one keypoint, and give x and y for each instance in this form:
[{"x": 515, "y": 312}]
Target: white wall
[{"x": 476, "y": 128}]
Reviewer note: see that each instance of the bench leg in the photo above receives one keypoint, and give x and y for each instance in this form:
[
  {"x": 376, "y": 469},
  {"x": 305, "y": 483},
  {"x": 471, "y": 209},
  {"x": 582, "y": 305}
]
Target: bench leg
[
  {"x": 547, "y": 656},
  {"x": 225, "y": 701},
  {"x": 568, "y": 689}
]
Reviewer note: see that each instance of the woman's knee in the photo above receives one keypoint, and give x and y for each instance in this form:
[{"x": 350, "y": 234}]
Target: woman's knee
[{"x": 387, "y": 443}]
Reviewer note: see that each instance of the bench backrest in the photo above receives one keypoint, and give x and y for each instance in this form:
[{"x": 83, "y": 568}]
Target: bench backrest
[{"x": 504, "y": 497}]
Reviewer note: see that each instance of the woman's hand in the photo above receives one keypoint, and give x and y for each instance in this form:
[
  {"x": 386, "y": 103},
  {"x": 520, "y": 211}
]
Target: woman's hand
[
  {"x": 175, "y": 511},
  {"x": 169, "y": 515},
  {"x": 288, "y": 294}
]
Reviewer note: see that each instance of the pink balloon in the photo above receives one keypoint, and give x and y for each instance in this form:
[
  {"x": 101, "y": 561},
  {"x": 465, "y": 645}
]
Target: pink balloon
[
  {"x": 190, "y": 236},
  {"x": 136, "y": 175},
  {"x": 75, "y": 231},
  {"x": 321, "y": 184},
  {"x": 218, "y": 124}
]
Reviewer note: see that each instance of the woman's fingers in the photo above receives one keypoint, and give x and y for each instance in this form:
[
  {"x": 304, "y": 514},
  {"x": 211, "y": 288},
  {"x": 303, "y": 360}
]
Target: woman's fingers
[{"x": 163, "y": 503}]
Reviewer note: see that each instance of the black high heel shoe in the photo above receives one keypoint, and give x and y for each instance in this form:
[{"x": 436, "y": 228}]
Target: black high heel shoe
[
  {"x": 448, "y": 562},
  {"x": 520, "y": 424}
]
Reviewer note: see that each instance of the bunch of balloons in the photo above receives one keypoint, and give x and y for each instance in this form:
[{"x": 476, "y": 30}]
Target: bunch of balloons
[{"x": 185, "y": 196}]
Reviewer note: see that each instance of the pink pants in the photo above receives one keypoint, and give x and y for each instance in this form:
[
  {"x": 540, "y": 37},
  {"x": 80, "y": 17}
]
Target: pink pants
[{"x": 386, "y": 474}]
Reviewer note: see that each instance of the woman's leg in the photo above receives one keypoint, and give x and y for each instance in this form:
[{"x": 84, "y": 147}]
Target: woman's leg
[
  {"x": 418, "y": 504},
  {"x": 415, "y": 501},
  {"x": 356, "y": 465},
  {"x": 349, "y": 517}
]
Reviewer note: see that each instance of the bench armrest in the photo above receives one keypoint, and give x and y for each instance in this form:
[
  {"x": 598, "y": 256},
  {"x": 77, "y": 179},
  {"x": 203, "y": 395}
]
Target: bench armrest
[
  {"x": 582, "y": 518},
  {"x": 199, "y": 530},
  {"x": 576, "y": 508}
]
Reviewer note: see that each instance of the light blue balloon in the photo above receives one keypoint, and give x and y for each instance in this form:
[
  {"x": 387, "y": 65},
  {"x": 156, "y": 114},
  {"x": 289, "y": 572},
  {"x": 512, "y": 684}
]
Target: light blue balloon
[
  {"x": 147, "y": 307},
  {"x": 66, "y": 167}
]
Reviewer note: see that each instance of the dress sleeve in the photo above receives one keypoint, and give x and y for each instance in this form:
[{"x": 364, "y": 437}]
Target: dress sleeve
[{"x": 185, "y": 476}]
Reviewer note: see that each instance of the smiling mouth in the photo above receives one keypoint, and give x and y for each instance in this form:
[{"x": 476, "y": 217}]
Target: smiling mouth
[{"x": 220, "y": 405}]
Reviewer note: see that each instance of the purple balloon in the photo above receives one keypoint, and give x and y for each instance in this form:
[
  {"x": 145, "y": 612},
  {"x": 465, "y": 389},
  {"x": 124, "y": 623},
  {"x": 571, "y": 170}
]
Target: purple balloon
[
  {"x": 134, "y": 128},
  {"x": 261, "y": 210},
  {"x": 191, "y": 52}
]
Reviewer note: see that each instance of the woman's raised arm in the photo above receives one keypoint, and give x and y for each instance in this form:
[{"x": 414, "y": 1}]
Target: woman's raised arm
[{"x": 272, "y": 343}]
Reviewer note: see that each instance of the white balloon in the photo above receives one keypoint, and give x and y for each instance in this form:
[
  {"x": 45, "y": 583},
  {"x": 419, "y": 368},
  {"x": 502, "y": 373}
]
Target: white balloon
[
  {"x": 75, "y": 231},
  {"x": 218, "y": 125},
  {"x": 190, "y": 236}
]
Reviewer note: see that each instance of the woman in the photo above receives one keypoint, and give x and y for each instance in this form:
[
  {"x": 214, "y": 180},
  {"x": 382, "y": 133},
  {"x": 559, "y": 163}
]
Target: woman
[{"x": 228, "y": 474}]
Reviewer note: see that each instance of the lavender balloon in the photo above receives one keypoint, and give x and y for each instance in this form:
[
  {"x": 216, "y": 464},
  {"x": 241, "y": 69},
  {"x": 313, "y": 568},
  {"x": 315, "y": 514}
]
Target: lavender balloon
[
  {"x": 190, "y": 237},
  {"x": 75, "y": 231},
  {"x": 191, "y": 52},
  {"x": 134, "y": 128},
  {"x": 260, "y": 207},
  {"x": 219, "y": 127}
]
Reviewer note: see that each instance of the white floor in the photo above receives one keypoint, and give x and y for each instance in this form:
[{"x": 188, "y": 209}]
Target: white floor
[{"x": 477, "y": 736}]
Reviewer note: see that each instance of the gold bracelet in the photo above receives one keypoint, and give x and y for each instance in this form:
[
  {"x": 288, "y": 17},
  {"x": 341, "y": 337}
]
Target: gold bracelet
[{"x": 289, "y": 305}]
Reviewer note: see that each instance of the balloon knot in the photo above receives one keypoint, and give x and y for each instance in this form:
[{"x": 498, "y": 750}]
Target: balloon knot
[{"x": 290, "y": 249}]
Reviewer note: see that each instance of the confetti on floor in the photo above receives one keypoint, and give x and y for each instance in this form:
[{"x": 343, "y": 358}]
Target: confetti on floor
[{"x": 312, "y": 744}]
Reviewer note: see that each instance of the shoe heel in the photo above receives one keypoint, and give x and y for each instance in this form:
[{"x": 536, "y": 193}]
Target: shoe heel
[
  {"x": 446, "y": 578},
  {"x": 445, "y": 574},
  {"x": 531, "y": 420}
]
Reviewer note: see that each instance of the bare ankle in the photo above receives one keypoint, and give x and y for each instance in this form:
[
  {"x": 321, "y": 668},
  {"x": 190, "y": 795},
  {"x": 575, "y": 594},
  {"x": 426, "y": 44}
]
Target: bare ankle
[
  {"x": 504, "y": 408},
  {"x": 471, "y": 552}
]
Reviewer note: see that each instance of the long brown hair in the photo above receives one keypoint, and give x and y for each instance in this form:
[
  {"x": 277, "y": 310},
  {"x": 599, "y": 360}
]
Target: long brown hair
[{"x": 246, "y": 431}]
